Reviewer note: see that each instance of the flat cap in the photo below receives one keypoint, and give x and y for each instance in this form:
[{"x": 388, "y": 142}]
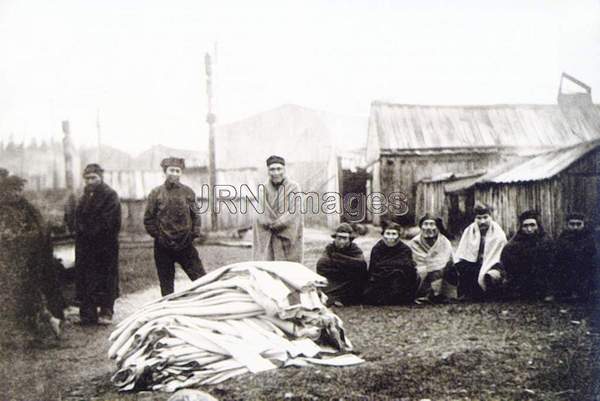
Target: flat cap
[
  {"x": 173, "y": 162},
  {"x": 93, "y": 168},
  {"x": 275, "y": 159}
]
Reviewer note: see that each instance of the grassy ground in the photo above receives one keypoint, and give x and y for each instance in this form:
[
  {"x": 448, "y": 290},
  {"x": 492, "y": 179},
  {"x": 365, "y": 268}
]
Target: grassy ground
[
  {"x": 488, "y": 351},
  {"x": 138, "y": 272},
  {"x": 450, "y": 352}
]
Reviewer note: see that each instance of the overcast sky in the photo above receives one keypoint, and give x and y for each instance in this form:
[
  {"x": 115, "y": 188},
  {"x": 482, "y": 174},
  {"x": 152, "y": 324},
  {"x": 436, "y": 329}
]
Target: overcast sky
[{"x": 141, "y": 63}]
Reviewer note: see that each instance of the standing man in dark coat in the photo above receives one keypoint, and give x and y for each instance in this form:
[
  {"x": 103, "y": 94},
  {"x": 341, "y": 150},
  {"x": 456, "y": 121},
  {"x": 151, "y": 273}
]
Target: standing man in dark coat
[
  {"x": 575, "y": 261},
  {"x": 392, "y": 272},
  {"x": 526, "y": 260},
  {"x": 343, "y": 265},
  {"x": 97, "y": 225},
  {"x": 29, "y": 286},
  {"x": 172, "y": 218}
]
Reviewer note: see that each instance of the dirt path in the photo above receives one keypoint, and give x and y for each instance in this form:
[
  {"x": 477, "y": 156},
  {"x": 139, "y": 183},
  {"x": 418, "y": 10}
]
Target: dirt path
[{"x": 76, "y": 366}]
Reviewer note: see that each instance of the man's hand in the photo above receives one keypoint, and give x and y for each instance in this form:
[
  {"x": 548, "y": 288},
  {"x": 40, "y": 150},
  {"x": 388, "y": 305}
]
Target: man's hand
[{"x": 277, "y": 226}]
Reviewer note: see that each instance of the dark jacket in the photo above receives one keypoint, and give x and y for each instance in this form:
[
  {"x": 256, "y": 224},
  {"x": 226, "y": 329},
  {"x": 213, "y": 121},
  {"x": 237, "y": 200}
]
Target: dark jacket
[
  {"x": 346, "y": 273},
  {"x": 98, "y": 214},
  {"x": 392, "y": 275},
  {"x": 26, "y": 263},
  {"x": 172, "y": 216},
  {"x": 575, "y": 263},
  {"x": 97, "y": 226},
  {"x": 527, "y": 262}
]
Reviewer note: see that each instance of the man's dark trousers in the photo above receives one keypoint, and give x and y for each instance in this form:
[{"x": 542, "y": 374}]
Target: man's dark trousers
[
  {"x": 468, "y": 275},
  {"x": 165, "y": 265}
]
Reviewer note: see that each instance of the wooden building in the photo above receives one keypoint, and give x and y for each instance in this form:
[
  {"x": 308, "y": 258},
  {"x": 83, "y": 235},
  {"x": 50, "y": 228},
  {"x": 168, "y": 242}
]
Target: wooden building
[
  {"x": 408, "y": 144},
  {"x": 305, "y": 138},
  {"x": 553, "y": 183}
]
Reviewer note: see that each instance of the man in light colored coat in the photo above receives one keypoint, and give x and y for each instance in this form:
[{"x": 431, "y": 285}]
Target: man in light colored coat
[{"x": 278, "y": 231}]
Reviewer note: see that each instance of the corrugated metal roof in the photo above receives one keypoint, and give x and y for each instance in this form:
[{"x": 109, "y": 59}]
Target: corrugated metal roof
[
  {"x": 453, "y": 176},
  {"x": 459, "y": 185},
  {"x": 402, "y": 127},
  {"x": 543, "y": 166}
]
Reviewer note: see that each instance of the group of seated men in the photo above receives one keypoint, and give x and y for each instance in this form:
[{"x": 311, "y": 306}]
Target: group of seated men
[{"x": 484, "y": 265}]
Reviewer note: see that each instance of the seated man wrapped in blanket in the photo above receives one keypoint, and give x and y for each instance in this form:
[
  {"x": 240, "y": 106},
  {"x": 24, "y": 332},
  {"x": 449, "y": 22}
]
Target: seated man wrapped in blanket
[
  {"x": 343, "y": 265},
  {"x": 245, "y": 317},
  {"x": 392, "y": 273},
  {"x": 477, "y": 257},
  {"x": 432, "y": 252},
  {"x": 526, "y": 261}
]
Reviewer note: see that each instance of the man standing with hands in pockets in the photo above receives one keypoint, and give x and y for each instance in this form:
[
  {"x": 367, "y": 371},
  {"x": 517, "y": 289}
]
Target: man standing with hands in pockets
[{"x": 172, "y": 218}]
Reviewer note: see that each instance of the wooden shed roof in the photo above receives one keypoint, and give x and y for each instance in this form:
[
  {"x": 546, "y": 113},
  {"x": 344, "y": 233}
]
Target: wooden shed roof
[
  {"x": 534, "y": 168},
  {"x": 402, "y": 127},
  {"x": 543, "y": 166}
]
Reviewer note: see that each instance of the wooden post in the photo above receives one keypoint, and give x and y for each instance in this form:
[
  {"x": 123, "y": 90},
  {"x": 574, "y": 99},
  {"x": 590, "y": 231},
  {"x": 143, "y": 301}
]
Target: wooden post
[
  {"x": 70, "y": 159},
  {"x": 211, "y": 119},
  {"x": 68, "y": 152},
  {"x": 99, "y": 137}
]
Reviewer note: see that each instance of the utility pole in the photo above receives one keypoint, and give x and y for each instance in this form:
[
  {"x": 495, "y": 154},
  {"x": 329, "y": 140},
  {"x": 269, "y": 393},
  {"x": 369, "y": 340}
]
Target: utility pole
[
  {"x": 99, "y": 135},
  {"x": 211, "y": 119},
  {"x": 68, "y": 152}
]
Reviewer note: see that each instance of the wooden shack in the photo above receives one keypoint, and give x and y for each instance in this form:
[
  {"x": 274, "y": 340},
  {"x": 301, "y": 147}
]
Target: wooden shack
[
  {"x": 553, "y": 183},
  {"x": 412, "y": 143}
]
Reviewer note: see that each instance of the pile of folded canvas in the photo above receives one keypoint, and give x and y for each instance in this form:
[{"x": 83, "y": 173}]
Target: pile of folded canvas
[{"x": 245, "y": 317}]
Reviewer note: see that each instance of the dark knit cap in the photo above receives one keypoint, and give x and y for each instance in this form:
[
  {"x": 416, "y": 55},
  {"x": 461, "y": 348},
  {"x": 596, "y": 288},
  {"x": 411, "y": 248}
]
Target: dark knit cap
[
  {"x": 575, "y": 216},
  {"x": 344, "y": 228},
  {"x": 391, "y": 226},
  {"x": 529, "y": 214},
  {"x": 93, "y": 168},
  {"x": 275, "y": 159},
  {"x": 172, "y": 162},
  {"x": 481, "y": 208},
  {"x": 438, "y": 221}
]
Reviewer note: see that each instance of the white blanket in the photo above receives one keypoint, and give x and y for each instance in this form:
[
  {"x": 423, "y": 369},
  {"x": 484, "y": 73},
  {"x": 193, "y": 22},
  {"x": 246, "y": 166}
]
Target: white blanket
[
  {"x": 468, "y": 247},
  {"x": 245, "y": 317}
]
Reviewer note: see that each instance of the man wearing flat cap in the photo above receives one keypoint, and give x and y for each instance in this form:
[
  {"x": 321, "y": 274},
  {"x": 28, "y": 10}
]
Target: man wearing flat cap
[
  {"x": 343, "y": 265},
  {"x": 278, "y": 232},
  {"x": 172, "y": 218},
  {"x": 97, "y": 225}
]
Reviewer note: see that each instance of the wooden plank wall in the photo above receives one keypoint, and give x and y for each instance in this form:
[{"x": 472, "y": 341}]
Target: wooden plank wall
[
  {"x": 510, "y": 200},
  {"x": 431, "y": 198},
  {"x": 402, "y": 173},
  {"x": 575, "y": 189}
]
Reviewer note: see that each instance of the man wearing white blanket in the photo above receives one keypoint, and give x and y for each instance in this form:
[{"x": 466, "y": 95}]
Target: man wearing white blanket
[
  {"x": 478, "y": 254},
  {"x": 432, "y": 253}
]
